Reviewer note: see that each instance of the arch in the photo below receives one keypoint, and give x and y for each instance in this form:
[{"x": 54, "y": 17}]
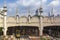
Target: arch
[
  {"x": 23, "y": 30},
  {"x": 52, "y": 30}
]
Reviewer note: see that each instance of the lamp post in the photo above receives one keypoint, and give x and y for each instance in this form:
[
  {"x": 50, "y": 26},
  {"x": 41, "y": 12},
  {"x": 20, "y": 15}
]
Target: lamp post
[
  {"x": 40, "y": 22},
  {"x": 40, "y": 19},
  {"x": 4, "y": 13}
]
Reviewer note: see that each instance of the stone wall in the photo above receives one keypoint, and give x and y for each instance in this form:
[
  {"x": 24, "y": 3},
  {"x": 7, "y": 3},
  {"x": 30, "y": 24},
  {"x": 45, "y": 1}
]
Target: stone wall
[{"x": 34, "y": 21}]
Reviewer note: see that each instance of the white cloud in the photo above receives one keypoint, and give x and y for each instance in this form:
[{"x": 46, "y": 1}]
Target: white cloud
[
  {"x": 35, "y": 3},
  {"x": 10, "y": 9},
  {"x": 25, "y": 3},
  {"x": 55, "y": 3},
  {"x": 12, "y": 5},
  {"x": 30, "y": 2},
  {"x": 44, "y": 1},
  {"x": 1, "y": 9}
]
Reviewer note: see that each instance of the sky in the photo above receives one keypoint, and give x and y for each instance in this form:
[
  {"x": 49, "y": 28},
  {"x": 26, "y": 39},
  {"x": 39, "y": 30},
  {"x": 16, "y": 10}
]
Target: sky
[{"x": 24, "y": 6}]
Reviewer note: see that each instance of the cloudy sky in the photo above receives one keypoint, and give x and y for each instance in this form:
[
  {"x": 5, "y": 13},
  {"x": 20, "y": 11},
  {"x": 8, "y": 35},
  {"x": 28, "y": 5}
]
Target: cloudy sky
[{"x": 32, "y": 5}]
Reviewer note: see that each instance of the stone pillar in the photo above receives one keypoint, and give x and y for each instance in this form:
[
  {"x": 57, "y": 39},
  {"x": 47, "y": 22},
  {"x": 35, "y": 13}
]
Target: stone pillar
[
  {"x": 17, "y": 16},
  {"x": 29, "y": 17},
  {"x": 40, "y": 21},
  {"x": 52, "y": 15},
  {"x": 4, "y": 16},
  {"x": 5, "y": 26},
  {"x": 41, "y": 26},
  {"x": 17, "y": 19}
]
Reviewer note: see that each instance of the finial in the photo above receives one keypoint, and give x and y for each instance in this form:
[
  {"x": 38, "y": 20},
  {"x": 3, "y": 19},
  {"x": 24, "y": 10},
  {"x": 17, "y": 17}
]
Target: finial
[
  {"x": 17, "y": 11},
  {"x": 41, "y": 8},
  {"x": 49, "y": 14},
  {"x": 17, "y": 15},
  {"x": 41, "y": 4},
  {"x": 36, "y": 12},
  {"x": 52, "y": 11},
  {"x": 5, "y": 4},
  {"x": 28, "y": 10}
]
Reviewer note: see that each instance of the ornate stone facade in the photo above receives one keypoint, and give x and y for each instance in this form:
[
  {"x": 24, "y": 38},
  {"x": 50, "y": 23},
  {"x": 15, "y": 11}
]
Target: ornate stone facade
[{"x": 34, "y": 21}]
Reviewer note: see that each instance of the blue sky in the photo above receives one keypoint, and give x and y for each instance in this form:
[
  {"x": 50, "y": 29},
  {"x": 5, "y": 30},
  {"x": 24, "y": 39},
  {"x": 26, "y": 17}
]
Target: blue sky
[{"x": 32, "y": 5}]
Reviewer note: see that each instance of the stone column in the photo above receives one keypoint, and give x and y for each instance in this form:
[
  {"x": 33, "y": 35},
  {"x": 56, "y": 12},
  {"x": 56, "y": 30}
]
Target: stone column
[
  {"x": 17, "y": 15},
  {"x": 41, "y": 26},
  {"x": 4, "y": 16},
  {"x": 5, "y": 26},
  {"x": 29, "y": 17},
  {"x": 40, "y": 21}
]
